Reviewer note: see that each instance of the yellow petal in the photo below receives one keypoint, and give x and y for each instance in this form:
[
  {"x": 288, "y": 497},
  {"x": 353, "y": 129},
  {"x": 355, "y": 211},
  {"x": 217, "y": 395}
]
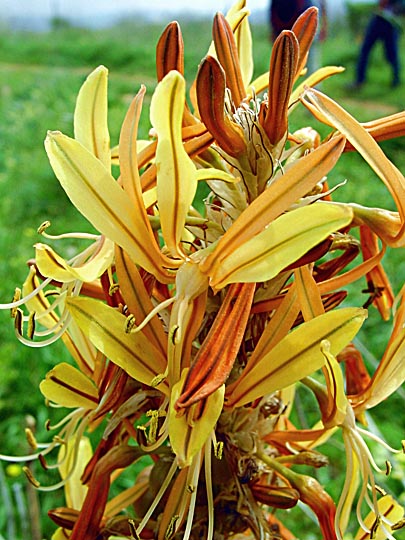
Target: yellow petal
[
  {"x": 96, "y": 194},
  {"x": 50, "y": 264},
  {"x": 283, "y": 242},
  {"x": 364, "y": 143},
  {"x": 68, "y": 387},
  {"x": 188, "y": 432},
  {"x": 298, "y": 354},
  {"x": 75, "y": 491},
  {"x": 90, "y": 118},
  {"x": 176, "y": 173},
  {"x": 391, "y": 510},
  {"x": 105, "y": 327}
]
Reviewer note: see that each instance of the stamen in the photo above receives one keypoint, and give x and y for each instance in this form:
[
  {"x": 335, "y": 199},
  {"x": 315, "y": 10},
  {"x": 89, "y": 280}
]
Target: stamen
[
  {"x": 208, "y": 485},
  {"x": 154, "y": 424},
  {"x": 31, "y": 439},
  {"x": 193, "y": 498},
  {"x": 165, "y": 484},
  {"x": 218, "y": 449},
  {"x": 132, "y": 530},
  {"x": 388, "y": 468},
  {"x": 129, "y": 324},
  {"x": 31, "y": 325},
  {"x": 30, "y": 477},
  {"x": 155, "y": 311},
  {"x": 171, "y": 528},
  {"x": 16, "y": 298}
]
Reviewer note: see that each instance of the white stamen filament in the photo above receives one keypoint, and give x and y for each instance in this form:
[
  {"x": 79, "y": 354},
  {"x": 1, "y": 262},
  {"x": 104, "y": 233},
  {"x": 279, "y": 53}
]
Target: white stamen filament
[
  {"x": 196, "y": 473},
  {"x": 159, "y": 495},
  {"x": 208, "y": 485}
]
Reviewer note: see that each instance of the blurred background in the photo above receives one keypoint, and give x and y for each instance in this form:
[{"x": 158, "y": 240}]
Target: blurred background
[{"x": 47, "y": 48}]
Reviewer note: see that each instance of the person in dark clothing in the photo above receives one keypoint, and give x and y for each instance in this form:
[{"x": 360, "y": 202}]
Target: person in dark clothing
[
  {"x": 384, "y": 27},
  {"x": 284, "y": 13}
]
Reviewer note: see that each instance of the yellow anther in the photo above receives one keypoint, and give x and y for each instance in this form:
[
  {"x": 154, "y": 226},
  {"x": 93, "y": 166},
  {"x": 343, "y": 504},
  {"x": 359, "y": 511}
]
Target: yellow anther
[
  {"x": 42, "y": 228},
  {"x": 174, "y": 334},
  {"x": 114, "y": 287},
  {"x": 132, "y": 530},
  {"x": 398, "y": 525},
  {"x": 31, "y": 478},
  {"x": 129, "y": 323},
  {"x": 31, "y": 438},
  {"x": 31, "y": 325},
  {"x": 374, "y": 527},
  {"x": 218, "y": 449},
  {"x": 171, "y": 528},
  {"x": 159, "y": 378},
  {"x": 388, "y": 468},
  {"x": 18, "y": 321},
  {"x": 154, "y": 424},
  {"x": 16, "y": 298}
]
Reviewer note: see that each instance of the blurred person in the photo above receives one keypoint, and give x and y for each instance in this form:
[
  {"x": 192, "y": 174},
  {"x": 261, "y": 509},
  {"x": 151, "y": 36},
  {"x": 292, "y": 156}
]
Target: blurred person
[
  {"x": 284, "y": 13},
  {"x": 383, "y": 26}
]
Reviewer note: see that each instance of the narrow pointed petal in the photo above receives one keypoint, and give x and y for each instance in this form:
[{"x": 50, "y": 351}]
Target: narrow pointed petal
[
  {"x": 170, "y": 51},
  {"x": 216, "y": 357},
  {"x": 381, "y": 294},
  {"x": 298, "y": 354},
  {"x": 227, "y": 55},
  {"x": 68, "y": 387},
  {"x": 392, "y": 511},
  {"x": 90, "y": 117},
  {"x": 382, "y": 129},
  {"x": 176, "y": 173},
  {"x": 297, "y": 181},
  {"x": 50, "y": 264},
  {"x": 284, "y": 241},
  {"x": 128, "y": 151},
  {"x": 211, "y": 105},
  {"x": 243, "y": 38},
  {"x": 367, "y": 147},
  {"x": 105, "y": 327},
  {"x": 75, "y": 491},
  {"x": 283, "y": 68},
  {"x": 305, "y": 29},
  {"x": 137, "y": 299},
  {"x": 308, "y": 293},
  {"x": 96, "y": 194},
  {"x": 189, "y": 430}
]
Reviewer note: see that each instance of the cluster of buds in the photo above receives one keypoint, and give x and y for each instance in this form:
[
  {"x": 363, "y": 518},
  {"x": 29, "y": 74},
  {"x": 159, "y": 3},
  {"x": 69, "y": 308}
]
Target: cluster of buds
[{"x": 191, "y": 324}]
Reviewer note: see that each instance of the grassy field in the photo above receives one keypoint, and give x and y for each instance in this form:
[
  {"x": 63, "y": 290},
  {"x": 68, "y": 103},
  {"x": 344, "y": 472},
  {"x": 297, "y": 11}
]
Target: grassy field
[{"x": 40, "y": 75}]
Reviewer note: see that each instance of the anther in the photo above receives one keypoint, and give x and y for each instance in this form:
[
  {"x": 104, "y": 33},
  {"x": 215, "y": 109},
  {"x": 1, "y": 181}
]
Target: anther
[
  {"x": 16, "y": 298},
  {"x": 114, "y": 287},
  {"x": 374, "y": 527},
  {"x": 42, "y": 228},
  {"x": 398, "y": 525},
  {"x": 31, "y": 438},
  {"x": 31, "y": 478},
  {"x": 154, "y": 424},
  {"x": 388, "y": 468},
  {"x": 129, "y": 323},
  {"x": 31, "y": 325},
  {"x": 132, "y": 530},
  {"x": 218, "y": 449},
  {"x": 171, "y": 528}
]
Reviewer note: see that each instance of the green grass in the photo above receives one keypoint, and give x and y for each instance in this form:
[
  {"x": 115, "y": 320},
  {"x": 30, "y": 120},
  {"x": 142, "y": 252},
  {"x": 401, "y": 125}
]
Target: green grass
[{"x": 40, "y": 76}]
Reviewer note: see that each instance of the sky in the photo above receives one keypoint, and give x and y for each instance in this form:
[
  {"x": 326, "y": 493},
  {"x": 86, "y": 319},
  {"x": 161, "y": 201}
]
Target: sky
[{"x": 85, "y": 8}]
